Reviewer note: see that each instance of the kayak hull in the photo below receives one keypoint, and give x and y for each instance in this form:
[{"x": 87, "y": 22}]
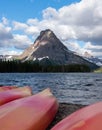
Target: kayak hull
[
  {"x": 87, "y": 118},
  {"x": 31, "y": 113},
  {"x": 13, "y": 94}
]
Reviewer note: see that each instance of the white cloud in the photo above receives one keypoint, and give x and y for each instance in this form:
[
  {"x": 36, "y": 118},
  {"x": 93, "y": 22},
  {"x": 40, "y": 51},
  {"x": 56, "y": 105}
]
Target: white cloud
[
  {"x": 19, "y": 26},
  {"x": 6, "y": 51},
  {"x": 32, "y": 30},
  {"x": 5, "y": 34},
  {"x": 9, "y": 40},
  {"x": 50, "y": 14},
  {"x": 96, "y": 50},
  {"x": 80, "y": 21},
  {"x": 74, "y": 46},
  {"x": 89, "y": 46},
  {"x": 20, "y": 41},
  {"x": 32, "y": 21},
  {"x": 5, "y": 21},
  {"x": 97, "y": 54}
]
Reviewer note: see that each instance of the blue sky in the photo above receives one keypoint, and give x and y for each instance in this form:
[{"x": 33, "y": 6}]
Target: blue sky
[
  {"x": 21, "y": 10},
  {"x": 77, "y": 23}
]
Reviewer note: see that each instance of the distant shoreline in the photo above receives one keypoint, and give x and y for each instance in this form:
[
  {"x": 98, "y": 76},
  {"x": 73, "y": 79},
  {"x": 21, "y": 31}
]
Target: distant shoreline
[{"x": 35, "y": 66}]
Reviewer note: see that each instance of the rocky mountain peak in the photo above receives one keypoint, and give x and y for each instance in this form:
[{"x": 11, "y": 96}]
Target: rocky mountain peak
[
  {"x": 47, "y": 41},
  {"x": 48, "y": 46},
  {"x": 87, "y": 55},
  {"x": 46, "y": 35}
]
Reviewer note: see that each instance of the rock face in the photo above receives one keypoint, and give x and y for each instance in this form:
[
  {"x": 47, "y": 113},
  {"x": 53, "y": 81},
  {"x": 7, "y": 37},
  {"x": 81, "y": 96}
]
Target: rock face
[
  {"x": 48, "y": 46},
  {"x": 92, "y": 59}
]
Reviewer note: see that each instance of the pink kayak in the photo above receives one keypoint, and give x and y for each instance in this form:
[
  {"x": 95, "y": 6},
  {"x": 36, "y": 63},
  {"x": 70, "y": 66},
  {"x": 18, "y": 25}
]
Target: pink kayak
[
  {"x": 10, "y": 95},
  {"x": 88, "y": 118},
  {"x": 4, "y": 88},
  {"x": 30, "y": 113}
]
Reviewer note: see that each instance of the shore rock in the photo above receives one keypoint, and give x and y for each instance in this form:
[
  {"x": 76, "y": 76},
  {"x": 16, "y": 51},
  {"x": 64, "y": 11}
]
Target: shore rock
[{"x": 65, "y": 109}]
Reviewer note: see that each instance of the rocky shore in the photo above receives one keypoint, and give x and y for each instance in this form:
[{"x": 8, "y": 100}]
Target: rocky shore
[{"x": 64, "y": 110}]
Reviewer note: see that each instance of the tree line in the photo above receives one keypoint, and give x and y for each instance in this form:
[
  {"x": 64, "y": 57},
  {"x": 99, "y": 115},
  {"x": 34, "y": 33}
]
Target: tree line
[{"x": 29, "y": 66}]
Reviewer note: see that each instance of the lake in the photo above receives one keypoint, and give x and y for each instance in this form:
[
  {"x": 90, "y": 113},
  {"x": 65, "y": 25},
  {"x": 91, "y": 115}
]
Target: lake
[{"x": 78, "y": 88}]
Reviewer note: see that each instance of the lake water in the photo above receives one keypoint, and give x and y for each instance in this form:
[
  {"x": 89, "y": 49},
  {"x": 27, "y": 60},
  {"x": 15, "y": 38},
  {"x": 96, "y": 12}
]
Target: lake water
[{"x": 79, "y": 88}]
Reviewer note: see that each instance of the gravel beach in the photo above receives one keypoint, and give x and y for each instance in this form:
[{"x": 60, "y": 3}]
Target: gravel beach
[{"x": 64, "y": 110}]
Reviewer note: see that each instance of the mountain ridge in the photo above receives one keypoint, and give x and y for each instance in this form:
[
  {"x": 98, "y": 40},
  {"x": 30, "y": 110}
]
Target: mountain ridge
[{"x": 47, "y": 45}]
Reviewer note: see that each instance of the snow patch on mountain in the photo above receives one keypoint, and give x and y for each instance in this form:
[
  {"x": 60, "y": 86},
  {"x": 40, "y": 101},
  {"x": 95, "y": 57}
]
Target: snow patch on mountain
[
  {"x": 92, "y": 59},
  {"x": 41, "y": 58}
]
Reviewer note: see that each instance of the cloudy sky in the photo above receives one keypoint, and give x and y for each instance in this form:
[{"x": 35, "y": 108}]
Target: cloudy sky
[{"x": 77, "y": 23}]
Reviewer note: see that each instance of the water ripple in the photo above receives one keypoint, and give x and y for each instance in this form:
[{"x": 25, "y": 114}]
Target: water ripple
[{"x": 81, "y": 88}]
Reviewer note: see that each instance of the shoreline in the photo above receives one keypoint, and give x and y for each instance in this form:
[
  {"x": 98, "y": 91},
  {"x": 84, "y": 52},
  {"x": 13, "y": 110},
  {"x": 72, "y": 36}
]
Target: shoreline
[{"x": 64, "y": 110}]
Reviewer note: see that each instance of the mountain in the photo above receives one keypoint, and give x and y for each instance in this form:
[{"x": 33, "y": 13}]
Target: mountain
[
  {"x": 6, "y": 57},
  {"x": 47, "y": 47},
  {"x": 92, "y": 59}
]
